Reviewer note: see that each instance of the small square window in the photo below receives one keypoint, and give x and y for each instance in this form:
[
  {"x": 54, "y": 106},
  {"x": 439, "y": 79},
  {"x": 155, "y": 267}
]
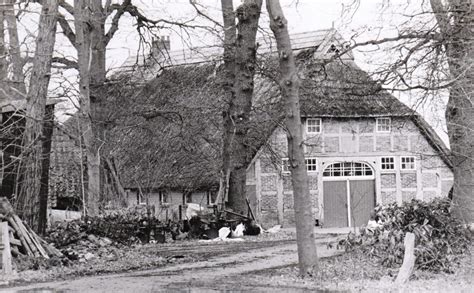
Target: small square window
[
  {"x": 311, "y": 164},
  {"x": 164, "y": 196},
  {"x": 387, "y": 163},
  {"x": 142, "y": 198},
  {"x": 407, "y": 163},
  {"x": 383, "y": 124},
  {"x": 313, "y": 125},
  {"x": 285, "y": 166}
]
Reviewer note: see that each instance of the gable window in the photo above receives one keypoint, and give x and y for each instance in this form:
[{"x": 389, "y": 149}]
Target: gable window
[
  {"x": 313, "y": 125},
  {"x": 311, "y": 164},
  {"x": 387, "y": 163},
  {"x": 384, "y": 124},
  {"x": 285, "y": 166},
  {"x": 407, "y": 163}
]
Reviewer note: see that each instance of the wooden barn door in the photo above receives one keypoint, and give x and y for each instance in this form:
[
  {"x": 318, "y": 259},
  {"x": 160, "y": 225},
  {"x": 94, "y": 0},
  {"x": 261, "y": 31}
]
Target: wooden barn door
[
  {"x": 348, "y": 194},
  {"x": 335, "y": 203},
  {"x": 362, "y": 201}
]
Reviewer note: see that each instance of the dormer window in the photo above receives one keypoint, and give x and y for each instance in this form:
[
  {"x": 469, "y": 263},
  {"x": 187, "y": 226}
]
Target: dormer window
[
  {"x": 313, "y": 125},
  {"x": 384, "y": 124}
]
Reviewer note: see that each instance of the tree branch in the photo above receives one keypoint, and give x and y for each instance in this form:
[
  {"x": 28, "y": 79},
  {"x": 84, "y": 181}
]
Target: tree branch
[
  {"x": 68, "y": 64},
  {"x": 68, "y": 7},
  {"x": 67, "y": 30},
  {"x": 120, "y": 10}
]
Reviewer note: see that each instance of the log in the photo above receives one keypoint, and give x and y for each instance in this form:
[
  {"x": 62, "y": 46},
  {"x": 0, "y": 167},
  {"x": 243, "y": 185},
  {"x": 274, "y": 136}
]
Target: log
[
  {"x": 53, "y": 251},
  {"x": 6, "y": 251},
  {"x": 20, "y": 235},
  {"x": 408, "y": 260},
  {"x": 35, "y": 238},
  {"x": 15, "y": 242},
  {"x": 27, "y": 236}
]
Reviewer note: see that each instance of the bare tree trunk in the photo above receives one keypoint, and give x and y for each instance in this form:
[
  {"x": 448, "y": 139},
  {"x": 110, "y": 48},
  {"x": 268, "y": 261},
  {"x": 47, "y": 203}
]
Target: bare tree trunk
[
  {"x": 3, "y": 53},
  {"x": 14, "y": 48},
  {"x": 289, "y": 84},
  {"x": 236, "y": 119},
  {"x": 35, "y": 113},
  {"x": 98, "y": 43},
  {"x": 83, "y": 45},
  {"x": 456, "y": 23},
  {"x": 228, "y": 16}
]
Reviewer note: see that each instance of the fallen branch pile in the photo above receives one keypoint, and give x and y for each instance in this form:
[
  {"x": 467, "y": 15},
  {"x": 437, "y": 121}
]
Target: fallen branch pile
[{"x": 21, "y": 239}]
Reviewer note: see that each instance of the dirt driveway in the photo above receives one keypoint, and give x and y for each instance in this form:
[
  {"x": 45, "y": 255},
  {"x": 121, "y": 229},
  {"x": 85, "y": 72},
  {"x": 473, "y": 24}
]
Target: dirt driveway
[{"x": 226, "y": 260}]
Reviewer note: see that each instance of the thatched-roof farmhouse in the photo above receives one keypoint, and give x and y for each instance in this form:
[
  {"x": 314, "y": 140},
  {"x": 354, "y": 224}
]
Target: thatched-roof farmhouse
[{"x": 162, "y": 121}]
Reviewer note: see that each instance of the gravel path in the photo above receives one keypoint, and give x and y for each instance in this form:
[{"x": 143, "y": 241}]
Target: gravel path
[{"x": 239, "y": 260}]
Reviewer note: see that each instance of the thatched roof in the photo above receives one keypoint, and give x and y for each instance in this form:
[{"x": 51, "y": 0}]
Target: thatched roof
[{"x": 167, "y": 132}]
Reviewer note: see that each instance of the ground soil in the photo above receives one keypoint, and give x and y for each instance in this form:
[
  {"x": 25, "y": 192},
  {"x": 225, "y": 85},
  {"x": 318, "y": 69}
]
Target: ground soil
[{"x": 253, "y": 265}]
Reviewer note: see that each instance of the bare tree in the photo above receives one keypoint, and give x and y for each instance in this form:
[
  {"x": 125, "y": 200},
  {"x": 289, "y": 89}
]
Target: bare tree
[
  {"x": 240, "y": 64},
  {"x": 28, "y": 198},
  {"x": 289, "y": 85},
  {"x": 456, "y": 24}
]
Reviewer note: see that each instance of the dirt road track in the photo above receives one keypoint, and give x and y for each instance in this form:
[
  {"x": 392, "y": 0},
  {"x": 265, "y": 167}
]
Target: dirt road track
[{"x": 201, "y": 276}]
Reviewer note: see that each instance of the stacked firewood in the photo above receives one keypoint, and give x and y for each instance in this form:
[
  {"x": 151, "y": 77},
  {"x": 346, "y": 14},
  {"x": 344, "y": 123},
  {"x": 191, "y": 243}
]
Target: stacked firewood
[{"x": 22, "y": 239}]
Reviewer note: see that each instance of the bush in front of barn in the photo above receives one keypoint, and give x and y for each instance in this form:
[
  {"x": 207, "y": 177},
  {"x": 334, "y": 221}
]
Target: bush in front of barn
[{"x": 440, "y": 239}]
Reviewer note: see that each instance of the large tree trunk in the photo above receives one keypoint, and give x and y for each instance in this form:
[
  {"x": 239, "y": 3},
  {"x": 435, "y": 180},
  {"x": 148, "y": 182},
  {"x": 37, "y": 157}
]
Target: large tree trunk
[
  {"x": 28, "y": 198},
  {"x": 289, "y": 84},
  {"x": 3, "y": 53},
  {"x": 83, "y": 44},
  {"x": 98, "y": 44},
  {"x": 228, "y": 16},
  {"x": 456, "y": 23},
  {"x": 236, "y": 120},
  {"x": 14, "y": 48}
]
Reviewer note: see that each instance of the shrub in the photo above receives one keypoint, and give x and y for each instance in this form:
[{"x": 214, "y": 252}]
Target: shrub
[
  {"x": 440, "y": 238},
  {"x": 124, "y": 226}
]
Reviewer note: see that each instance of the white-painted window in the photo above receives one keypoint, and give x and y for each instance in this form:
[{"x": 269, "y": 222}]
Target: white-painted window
[
  {"x": 311, "y": 164},
  {"x": 285, "y": 166},
  {"x": 407, "y": 163},
  {"x": 313, "y": 125},
  {"x": 164, "y": 198},
  {"x": 351, "y": 169},
  {"x": 387, "y": 163},
  {"x": 141, "y": 198},
  {"x": 384, "y": 124}
]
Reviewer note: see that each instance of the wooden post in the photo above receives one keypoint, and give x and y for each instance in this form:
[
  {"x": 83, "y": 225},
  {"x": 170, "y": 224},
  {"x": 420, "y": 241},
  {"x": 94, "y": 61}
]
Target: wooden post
[
  {"x": 408, "y": 259},
  {"x": 6, "y": 251}
]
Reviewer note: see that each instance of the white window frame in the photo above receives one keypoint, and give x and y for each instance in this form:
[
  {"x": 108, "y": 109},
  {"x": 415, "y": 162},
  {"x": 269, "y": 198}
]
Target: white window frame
[
  {"x": 385, "y": 163},
  {"x": 285, "y": 166},
  {"x": 338, "y": 170},
  {"x": 405, "y": 163},
  {"x": 319, "y": 125},
  {"x": 142, "y": 198},
  {"x": 308, "y": 164},
  {"x": 164, "y": 194},
  {"x": 378, "y": 124}
]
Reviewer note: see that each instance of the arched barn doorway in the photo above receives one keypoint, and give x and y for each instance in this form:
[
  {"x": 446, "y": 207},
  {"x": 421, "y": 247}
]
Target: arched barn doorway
[{"x": 348, "y": 194}]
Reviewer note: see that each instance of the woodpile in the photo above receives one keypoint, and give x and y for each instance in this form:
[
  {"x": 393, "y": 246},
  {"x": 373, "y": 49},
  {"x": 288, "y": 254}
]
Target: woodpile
[{"x": 19, "y": 239}]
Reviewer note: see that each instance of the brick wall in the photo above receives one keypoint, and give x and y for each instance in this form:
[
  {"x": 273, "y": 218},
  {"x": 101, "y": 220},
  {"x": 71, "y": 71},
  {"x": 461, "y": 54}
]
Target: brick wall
[{"x": 354, "y": 140}]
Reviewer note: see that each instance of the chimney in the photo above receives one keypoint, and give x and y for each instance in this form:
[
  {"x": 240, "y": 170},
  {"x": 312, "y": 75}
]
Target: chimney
[{"x": 160, "y": 45}]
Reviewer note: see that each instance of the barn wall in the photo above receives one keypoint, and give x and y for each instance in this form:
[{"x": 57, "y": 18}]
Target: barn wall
[
  {"x": 351, "y": 140},
  {"x": 169, "y": 209}
]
